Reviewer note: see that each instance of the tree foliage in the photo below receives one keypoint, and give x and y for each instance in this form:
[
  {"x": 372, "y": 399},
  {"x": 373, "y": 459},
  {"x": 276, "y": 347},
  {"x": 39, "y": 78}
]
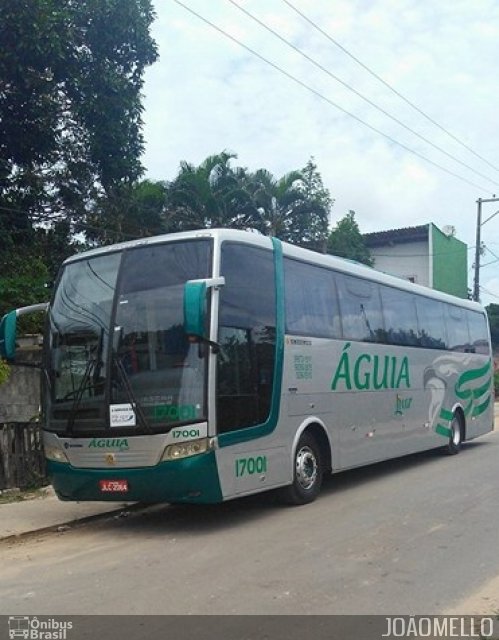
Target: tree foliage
[
  {"x": 315, "y": 209},
  {"x": 25, "y": 284},
  {"x": 346, "y": 241},
  {"x": 70, "y": 114},
  {"x": 493, "y": 315},
  {"x": 131, "y": 211},
  {"x": 214, "y": 194},
  {"x": 4, "y": 371},
  {"x": 294, "y": 207}
]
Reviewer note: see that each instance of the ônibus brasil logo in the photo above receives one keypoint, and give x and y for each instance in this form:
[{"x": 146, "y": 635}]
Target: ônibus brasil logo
[{"x": 31, "y": 628}]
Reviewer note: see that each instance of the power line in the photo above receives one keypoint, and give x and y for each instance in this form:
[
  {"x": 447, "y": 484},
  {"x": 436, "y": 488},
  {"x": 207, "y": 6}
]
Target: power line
[
  {"x": 492, "y": 261},
  {"x": 73, "y": 218},
  {"x": 389, "y": 86},
  {"x": 333, "y": 104},
  {"x": 53, "y": 218},
  {"x": 359, "y": 94},
  {"x": 482, "y": 288},
  {"x": 487, "y": 264}
]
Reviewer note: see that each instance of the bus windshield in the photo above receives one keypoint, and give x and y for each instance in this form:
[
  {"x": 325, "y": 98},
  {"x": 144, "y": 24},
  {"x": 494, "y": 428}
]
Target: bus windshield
[{"x": 116, "y": 337}]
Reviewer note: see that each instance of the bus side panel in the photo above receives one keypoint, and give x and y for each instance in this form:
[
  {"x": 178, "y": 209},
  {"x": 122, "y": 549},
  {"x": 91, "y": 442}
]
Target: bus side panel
[
  {"x": 382, "y": 401},
  {"x": 253, "y": 466}
]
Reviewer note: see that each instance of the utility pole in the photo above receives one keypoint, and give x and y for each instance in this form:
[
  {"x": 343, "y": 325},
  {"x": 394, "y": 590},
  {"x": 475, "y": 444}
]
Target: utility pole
[
  {"x": 476, "y": 280},
  {"x": 479, "y": 225}
]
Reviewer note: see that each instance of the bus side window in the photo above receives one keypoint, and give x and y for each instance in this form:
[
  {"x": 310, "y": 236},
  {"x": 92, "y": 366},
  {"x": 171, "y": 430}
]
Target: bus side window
[
  {"x": 478, "y": 332},
  {"x": 360, "y": 306},
  {"x": 399, "y": 311},
  {"x": 457, "y": 328},
  {"x": 431, "y": 323},
  {"x": 311, "y": 301}
]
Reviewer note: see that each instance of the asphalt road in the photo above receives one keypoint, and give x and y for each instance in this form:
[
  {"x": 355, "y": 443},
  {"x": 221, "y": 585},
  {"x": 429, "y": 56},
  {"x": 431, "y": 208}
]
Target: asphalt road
[{"x": 417, "y": 535}]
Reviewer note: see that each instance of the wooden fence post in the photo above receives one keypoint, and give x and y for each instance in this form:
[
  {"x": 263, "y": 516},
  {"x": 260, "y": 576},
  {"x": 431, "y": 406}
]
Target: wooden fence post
[{"x": 22, "y": 462}]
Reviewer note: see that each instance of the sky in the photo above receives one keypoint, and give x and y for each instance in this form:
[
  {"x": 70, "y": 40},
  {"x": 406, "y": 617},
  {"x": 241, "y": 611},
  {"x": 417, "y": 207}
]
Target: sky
[{"x": 206, "y": 94}]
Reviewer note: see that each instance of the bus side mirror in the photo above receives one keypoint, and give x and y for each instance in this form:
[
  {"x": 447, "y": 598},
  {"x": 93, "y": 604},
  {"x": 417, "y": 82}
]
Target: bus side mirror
[
  {"x": 194, "y": 308},
  {"x": 8, "y": 329}
]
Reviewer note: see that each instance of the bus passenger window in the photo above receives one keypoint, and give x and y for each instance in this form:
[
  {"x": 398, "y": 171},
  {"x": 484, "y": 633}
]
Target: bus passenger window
[
  {"x": 457, "y": 329},
  {"x": 478, "y": 332},
  {"x": 399, "y": 311},
  {"x": 360, "y": 309},
  {"x": 311, "y": 300}
]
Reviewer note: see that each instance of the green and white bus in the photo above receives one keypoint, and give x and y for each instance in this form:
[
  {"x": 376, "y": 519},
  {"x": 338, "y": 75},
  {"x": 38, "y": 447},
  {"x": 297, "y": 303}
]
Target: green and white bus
[{"x": 208, "y": 365}]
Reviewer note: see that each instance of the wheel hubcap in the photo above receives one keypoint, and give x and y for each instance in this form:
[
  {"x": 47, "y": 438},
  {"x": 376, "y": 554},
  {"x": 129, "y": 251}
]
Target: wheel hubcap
[{"x": 306, "y": 467}]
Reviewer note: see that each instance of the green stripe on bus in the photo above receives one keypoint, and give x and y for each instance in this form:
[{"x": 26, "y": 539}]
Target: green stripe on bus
[
  {"x": 443, "y": 431},
  {"x": 250, "y": 433},
  {"x": 481, "y": 407},
  {"x": 446, "y": 415},
  {"x": 468, "y": 407},
  {"x": 483, "y": 389},
  {"x": 468, "y": 376}
]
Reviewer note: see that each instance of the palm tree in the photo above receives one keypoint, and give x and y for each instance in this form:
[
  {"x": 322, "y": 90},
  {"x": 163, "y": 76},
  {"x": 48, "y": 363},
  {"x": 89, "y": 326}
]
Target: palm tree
[
  {"x": 210, "y": 195},
  {"x": 287, "y": 210},
  {"x": 274, "y": 202},
  {"x": 293, "y": 208}
]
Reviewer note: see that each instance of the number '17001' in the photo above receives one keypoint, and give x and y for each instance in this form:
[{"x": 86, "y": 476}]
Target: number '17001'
[{"x": 249, "y": 466}]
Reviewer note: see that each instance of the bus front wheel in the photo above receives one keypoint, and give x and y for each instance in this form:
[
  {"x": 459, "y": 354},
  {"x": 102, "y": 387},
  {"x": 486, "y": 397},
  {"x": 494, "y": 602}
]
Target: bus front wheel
[
  {"x": 307, "y": 472},
  {"x": 456, "y": 436}
]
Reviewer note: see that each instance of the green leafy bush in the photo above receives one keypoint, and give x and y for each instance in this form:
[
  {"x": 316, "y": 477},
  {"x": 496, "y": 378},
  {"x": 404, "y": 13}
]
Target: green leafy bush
[{"x": 4, "y": 371}]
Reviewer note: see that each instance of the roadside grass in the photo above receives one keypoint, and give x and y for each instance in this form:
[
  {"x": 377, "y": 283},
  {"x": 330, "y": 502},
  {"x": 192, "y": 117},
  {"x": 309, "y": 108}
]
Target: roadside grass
[{"x": 8, "y": 496}]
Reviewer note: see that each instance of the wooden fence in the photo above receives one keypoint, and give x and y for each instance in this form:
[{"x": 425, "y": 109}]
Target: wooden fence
[{"x": 22, "y": 463}]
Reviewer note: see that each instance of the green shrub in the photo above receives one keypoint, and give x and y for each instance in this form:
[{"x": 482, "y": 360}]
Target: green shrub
[
  {"x": 4, "y": 371},
  {"x": 496, "y": 383}
]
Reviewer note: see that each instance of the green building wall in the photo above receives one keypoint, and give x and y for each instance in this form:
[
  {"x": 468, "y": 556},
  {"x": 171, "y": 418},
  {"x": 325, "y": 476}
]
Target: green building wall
[{"x": 450, "y": 263}]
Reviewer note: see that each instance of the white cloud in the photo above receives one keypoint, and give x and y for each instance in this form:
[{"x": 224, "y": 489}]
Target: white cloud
[{"x": 206, "y": 94}]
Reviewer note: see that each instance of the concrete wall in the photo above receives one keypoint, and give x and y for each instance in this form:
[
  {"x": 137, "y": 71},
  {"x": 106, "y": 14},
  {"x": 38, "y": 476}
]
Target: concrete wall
[
  {"x": 20, "y": 394},
  {"x": 405, "y": 260}
]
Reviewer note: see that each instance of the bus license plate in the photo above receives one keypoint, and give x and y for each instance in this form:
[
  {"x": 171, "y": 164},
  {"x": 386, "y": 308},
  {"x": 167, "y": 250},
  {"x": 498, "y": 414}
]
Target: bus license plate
[{"x": 113, "y": 486}]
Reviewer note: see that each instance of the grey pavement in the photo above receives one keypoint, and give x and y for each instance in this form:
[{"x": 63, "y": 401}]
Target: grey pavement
[{"x": 48, "y": 512}]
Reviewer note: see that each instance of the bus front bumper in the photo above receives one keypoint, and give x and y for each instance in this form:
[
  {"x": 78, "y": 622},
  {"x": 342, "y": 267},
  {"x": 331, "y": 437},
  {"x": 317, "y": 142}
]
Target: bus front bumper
[{"x": 194, "y": 479}]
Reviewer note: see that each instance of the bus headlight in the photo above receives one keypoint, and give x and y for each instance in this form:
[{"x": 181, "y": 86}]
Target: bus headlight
[
  {"x": 56, "y": 454},
  {"x": 187, "y": 449}
]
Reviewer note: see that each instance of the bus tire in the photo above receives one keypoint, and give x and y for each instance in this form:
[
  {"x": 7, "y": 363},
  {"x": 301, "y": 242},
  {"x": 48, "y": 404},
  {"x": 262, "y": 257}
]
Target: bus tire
[
  {"x": 456, "y": 437},
  {"x": 307, "y": 472}
]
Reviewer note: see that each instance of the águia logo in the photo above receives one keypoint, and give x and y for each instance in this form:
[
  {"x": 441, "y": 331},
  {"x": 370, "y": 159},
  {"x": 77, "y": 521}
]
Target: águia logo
[
  {"x": 370, "y": 372},
  {"x": 121, "y": 444}
]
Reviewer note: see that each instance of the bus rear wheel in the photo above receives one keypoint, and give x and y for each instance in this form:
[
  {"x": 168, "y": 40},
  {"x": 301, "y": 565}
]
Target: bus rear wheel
[
  {"x": 456, "y": 436},
  {"x": 307, "y": 472}
]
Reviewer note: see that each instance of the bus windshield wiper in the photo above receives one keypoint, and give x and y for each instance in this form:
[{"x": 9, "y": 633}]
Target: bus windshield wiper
[
  {"x": 93, "y": 364},
  {"x": 83, "y": 386},
  {"x": 136, "y": 406}
]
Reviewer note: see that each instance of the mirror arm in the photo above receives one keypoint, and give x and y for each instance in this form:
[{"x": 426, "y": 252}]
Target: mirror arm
[
  {"x": 214, "y": 283},
  {"x": 215, "y": 347},
  {"x": 41, "y": 306}
]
